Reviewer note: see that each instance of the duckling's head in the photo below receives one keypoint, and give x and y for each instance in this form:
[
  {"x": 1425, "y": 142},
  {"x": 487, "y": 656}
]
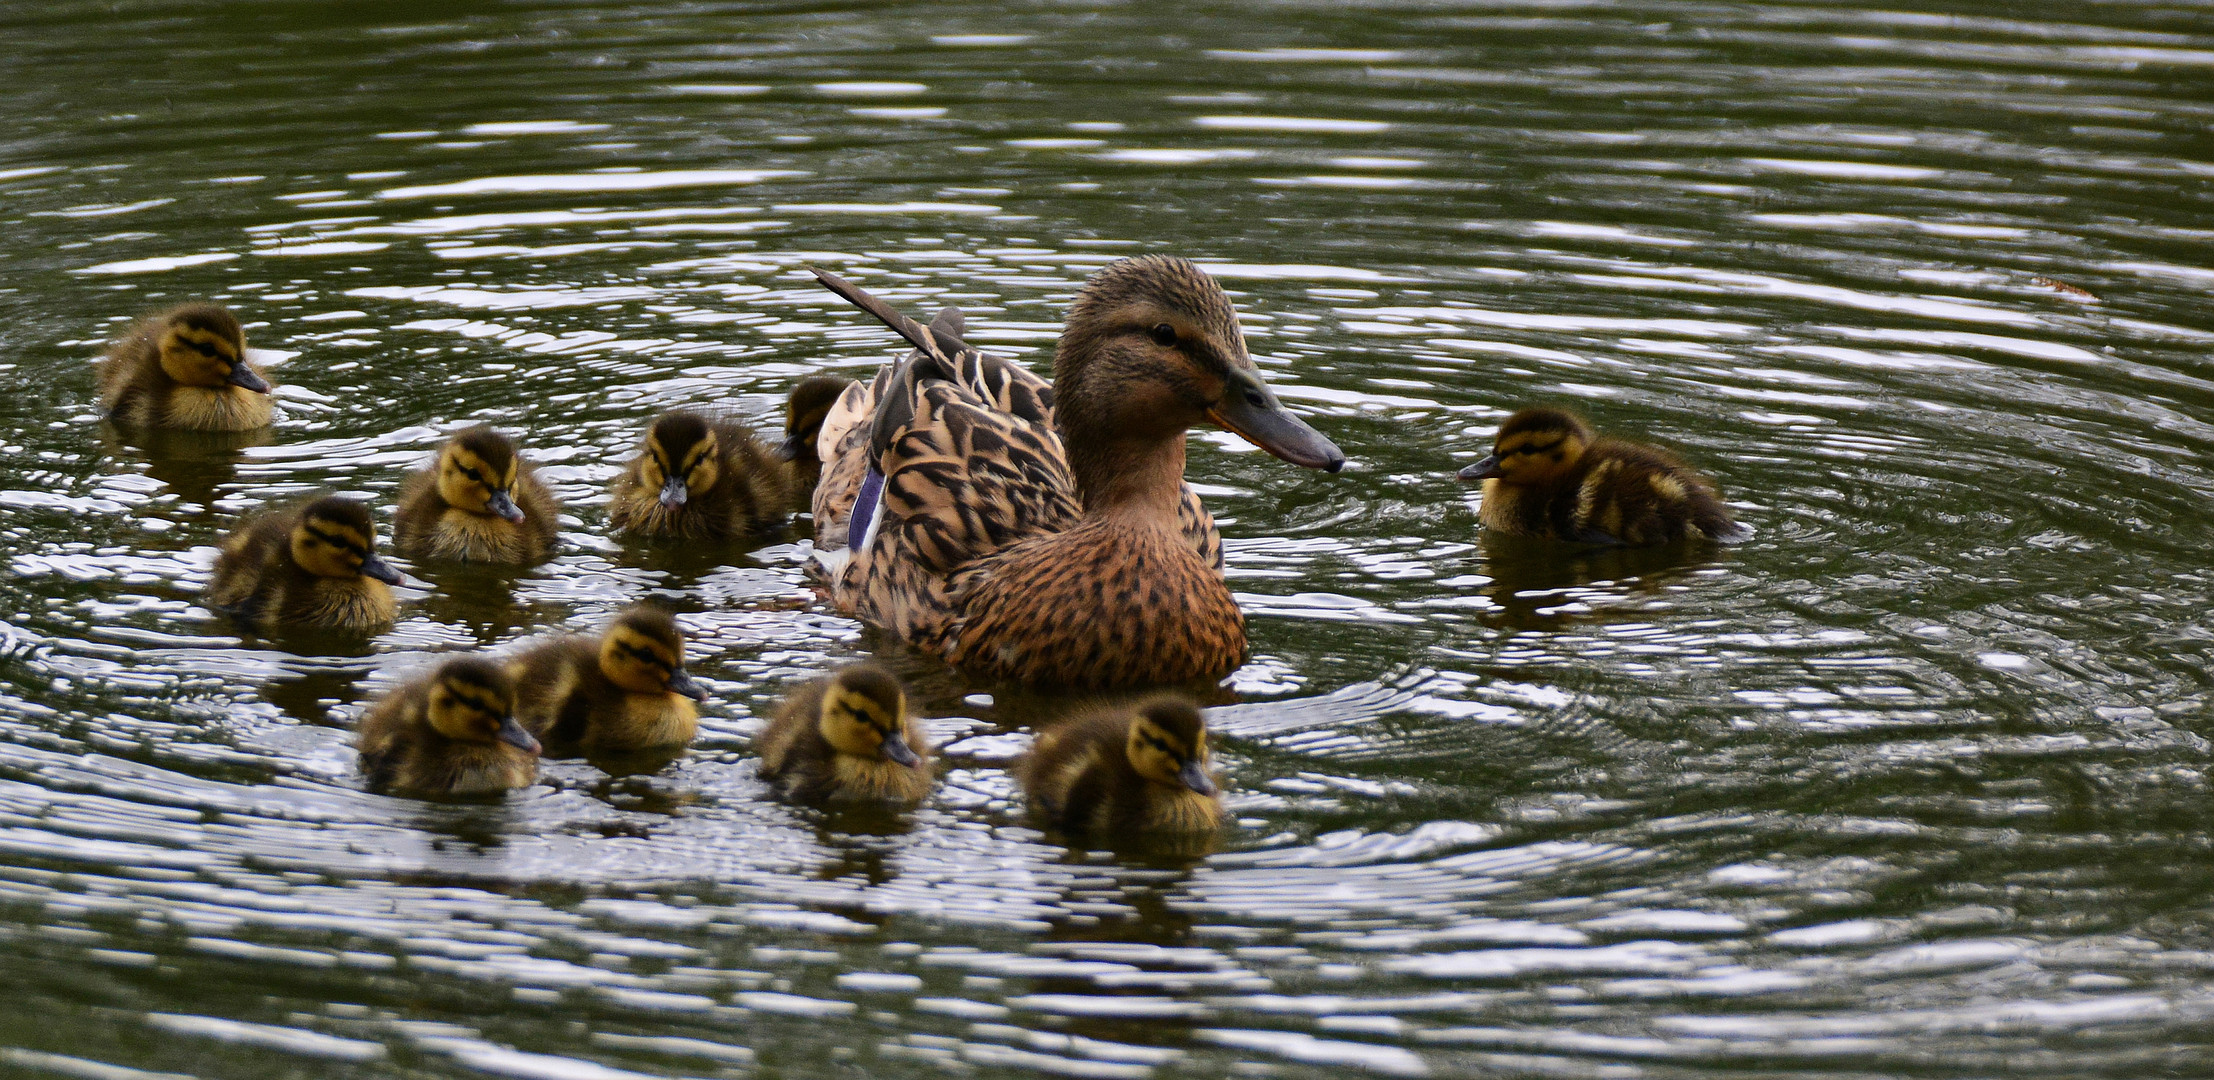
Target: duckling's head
[
  {"x": 1168, "y": 744},
  {"x": 476, "y": 470},
  {"x": 473, "y": 701},
  {"x": 203, "y": 345},
  {"x": 335, "y": 538},
  {"x": 1533, "y": 446},
  {"x": 804, "y": 412},
  {"x": 643, "y": 652},
  {"x": 1152, "y": 347},
  {"x": 864, "y": 715},
  {"x": 681, "y": 456}
]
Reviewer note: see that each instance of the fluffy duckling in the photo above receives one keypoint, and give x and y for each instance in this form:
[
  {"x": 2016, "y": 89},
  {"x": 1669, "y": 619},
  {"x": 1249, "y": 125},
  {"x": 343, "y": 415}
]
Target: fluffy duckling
[
  {"x": 315, "y": 564},
  {"x": 847, "y": 737},
  {"x": 701, "y": 478},
  {"x": 804, "y": 412},
  {"x": 1549, "y": 475},
  {"x": 184, "y": 368},
  {"x": 1125, "y": 772},
  {"x": 625, "y": 690},
  {"x": 450, "y": 733},
  {"x": 478, "y": 503}
]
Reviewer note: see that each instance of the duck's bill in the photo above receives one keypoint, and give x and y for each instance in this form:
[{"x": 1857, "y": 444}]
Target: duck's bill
[
  {"x": 896, "y": 749},
  {"x": 513, "y": 734},
  {"x": 673, "y": 494},
  {"x": 1482, "y": 470},
  {"x": 790, "y": 449},
  {"x": 681, "y": 682},
  {"x": 1253, "y": 413},
  {"x": 375, "y": 566},
  {"x": 504, "y": 505},
  {"x": 1194, "y": 775},
  {"x": 247, "y": 378}
]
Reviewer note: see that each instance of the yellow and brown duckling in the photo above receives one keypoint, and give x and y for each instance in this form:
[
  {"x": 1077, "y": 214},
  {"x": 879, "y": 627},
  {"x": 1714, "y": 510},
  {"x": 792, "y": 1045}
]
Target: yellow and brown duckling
[
  {"x": 847, "y": 737},
  {"x": 312, "y": 565},
  {"x": 1126, "y": 773},
  {"x": 625, "y": 690},
  {"x": 701, "y": 477},
  {"x": 804, "y": 411},
  {"x": 1548, "y": 475},
  {"x": 184, "y": 368},
  {"x": 478, "y": 503},
  {"x": 452, "y": 732}
]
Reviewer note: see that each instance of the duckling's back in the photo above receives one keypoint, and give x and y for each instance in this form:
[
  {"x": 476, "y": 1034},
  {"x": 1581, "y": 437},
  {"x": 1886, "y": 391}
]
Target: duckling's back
[
  {"x": 755, "y": 490},
  {"x": 556, "y": 685},
  {"x": 253, "y": 570},
  {"x": 794, "y": 755}
]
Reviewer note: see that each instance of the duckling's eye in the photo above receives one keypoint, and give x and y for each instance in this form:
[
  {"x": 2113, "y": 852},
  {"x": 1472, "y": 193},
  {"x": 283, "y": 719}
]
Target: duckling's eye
[
  {"x": 471, "y": 473},
  {"x": 1164, "y": 335}
]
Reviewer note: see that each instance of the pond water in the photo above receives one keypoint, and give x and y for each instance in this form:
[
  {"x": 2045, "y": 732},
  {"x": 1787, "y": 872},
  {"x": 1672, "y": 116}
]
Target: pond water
[{"x": 1914, "y": 783}]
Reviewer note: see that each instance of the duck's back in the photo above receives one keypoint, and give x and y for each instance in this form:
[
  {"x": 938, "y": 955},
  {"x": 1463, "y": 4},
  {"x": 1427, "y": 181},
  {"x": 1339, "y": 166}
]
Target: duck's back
[{"x": 555, "y": 683}]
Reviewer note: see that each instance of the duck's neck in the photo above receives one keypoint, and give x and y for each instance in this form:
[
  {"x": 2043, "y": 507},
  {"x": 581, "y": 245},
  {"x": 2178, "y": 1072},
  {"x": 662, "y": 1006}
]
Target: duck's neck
[{"x": 1132, "y": 480}]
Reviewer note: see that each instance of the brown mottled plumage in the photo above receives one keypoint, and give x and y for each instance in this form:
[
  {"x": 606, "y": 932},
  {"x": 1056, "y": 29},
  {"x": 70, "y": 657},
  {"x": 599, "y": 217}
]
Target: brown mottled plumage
[
  {"x": 624, "y": 690},
  {"x": 184, "y": 368},
  {"x": 451, "y": 732},
  {"x": 1045, "y": 534},
  {"x": 804, "y": 411},
  {"x": 847, "y": 737},
  {"x": 1549, "y": 476},
  {"x": 700, "y": 477},
  {"x": 479, "y": 502},
  {"x": 1125, "y": 773},
  {"x": 314, "y": 564}
]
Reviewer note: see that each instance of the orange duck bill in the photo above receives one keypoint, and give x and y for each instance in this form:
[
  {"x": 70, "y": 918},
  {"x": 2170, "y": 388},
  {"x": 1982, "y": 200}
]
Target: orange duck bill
[{"x": 1252, "y": 411}]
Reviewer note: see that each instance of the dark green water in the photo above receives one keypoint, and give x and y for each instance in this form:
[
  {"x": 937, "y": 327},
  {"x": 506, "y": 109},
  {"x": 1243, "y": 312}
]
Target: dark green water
[{"x": 1914, "y": 784}]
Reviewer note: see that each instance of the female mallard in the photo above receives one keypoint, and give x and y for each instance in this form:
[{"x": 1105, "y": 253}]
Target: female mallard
[
  {"x": 1549, "y": 476},
  {"x": 450, "y": 733},
  {"x": 478, "y": 503},
  {"x": 951, "y": 514},
  {"x": 1125, "y": 773},
  {"x": 700, "y": 477},
  {"x": 804, "y": 412},
  {"x": 847, "y": 737},
  {"x": 625, "y": 690},
  {"x": 184, "y": 368},
  {"x": 315, "y": 564}
]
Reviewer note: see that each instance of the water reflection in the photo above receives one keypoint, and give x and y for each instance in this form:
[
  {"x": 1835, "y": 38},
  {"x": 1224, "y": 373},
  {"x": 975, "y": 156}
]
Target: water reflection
[
  {"x": 1544, "y": 585},
  {"x": 194, "y": 466}
]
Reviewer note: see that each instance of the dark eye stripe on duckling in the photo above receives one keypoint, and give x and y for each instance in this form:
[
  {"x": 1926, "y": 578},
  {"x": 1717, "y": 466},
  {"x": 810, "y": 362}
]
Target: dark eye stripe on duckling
[
  {"x": 1532, "y": 448},
  {"x": 1162, "y": 745},
  {"x": 646, "y": 655},
  {"x": 470, "y": 701},
  {"x": 339, "y": 542}
]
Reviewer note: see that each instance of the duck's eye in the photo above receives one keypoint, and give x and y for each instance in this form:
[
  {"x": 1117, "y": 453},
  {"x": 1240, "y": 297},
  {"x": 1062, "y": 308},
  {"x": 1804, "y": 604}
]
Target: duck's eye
[
  {"x": 1164, "y": 335},
  {"x": 471, "y": 473}
]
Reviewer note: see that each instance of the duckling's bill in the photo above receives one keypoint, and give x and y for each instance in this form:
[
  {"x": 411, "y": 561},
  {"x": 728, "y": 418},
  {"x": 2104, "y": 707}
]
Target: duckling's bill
[
  {"x": 513, "y": 734},
  {"x": 897, "y": 750},
  {"x": 1482, "y": 470},
  {"x": 375, "y": 567},
  {"x": 1194, "y": 775},
  {"x": 503, "y": 504},
  {"x": 681, "y": 682}
]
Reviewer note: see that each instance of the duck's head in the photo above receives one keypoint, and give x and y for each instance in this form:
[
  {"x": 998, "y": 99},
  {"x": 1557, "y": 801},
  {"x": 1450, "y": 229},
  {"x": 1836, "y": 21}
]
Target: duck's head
[
  {"x": 476, "y": 473},
  {"x": 864, "y": 715},
  {"x": 1533, "y": 446},
  {"x": 473, "y": 701},
  {"x": 335, "y": 538},
  {"x": 1152, "y": 347},
  {"x": 643, "y": 652},
  {"x": 1168, "y": 745},
  {"x": 804, "y": 412},
  {"x": 681, "y": 456},
  {"x": 203, "y": 345}
]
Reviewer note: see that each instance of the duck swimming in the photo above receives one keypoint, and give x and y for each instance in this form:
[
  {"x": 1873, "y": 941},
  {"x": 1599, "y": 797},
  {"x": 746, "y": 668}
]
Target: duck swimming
[
  {"x": 625, "y": 690},
  {"x": 1044, "y": 534},
  {"x": 700, "y": 477},
  {"x": 184, "y": 368},
  {"x": 314, "y": 564},
  {"x": 452, "y": 732},
  {"x": 1125, "y": 773},
  {"x": 478, "y": 503},
  {"x": 804, "y": 412},
  {"x": 1548, "y": 475},
  {"x": 847, "y": 737}
]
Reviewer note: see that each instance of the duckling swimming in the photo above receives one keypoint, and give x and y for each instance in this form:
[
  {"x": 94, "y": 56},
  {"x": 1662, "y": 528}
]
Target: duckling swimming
[
  {"x": 625, "y": 690},
  {"x": 701, "y": 478},
  {"x": 803, "y": 420},
  {"x": 847, "y": 737},
  {"x": 1125, "y": 773},
  {"x": 450, "y": 733},
  {"x": 1549, "y": 475},
  {"x": 478, "y": 503},
  {"x": 315, "y": 564},
  {"x": 184, "y": 368}
]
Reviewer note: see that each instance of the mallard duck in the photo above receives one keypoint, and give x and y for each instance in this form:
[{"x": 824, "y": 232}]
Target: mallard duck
[
  {"x": 314, "y": 564},
  {"x": 1125, "y": 773},
  {"x": 1044, "y": 534},
  {"x": 803, "y": 421},
  {"x": 184, "y": 368},
  {"x": 624, "y": 690},
  {"x": 1549, "y": 476},
  {"x": 478, "y": 503},
  {"x": 701, "y": 478},
  {"x": 847, "y": 737},
  {"x": 451, "y": 732}
]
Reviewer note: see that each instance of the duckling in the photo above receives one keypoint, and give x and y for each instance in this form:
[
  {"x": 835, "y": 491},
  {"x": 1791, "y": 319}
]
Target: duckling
[
  {"x": 1125, "y": 772},
  {"x": 624, "y": 690},
  {"x": 1549, "y": 475},
  {"x": 478, "y": 503},
  {"x": 847, "y": 737},
  {"x": 314, "y": 564},
  {"x": 450, "y": 733},
  {"x": 804, "y": 412},
  {"x": 184, "y": 368},
  {"x": 701, "y": 478}
]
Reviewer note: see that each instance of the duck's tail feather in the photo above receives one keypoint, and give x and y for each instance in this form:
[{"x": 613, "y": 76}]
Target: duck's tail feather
[{"x": 940, "y": 340}]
